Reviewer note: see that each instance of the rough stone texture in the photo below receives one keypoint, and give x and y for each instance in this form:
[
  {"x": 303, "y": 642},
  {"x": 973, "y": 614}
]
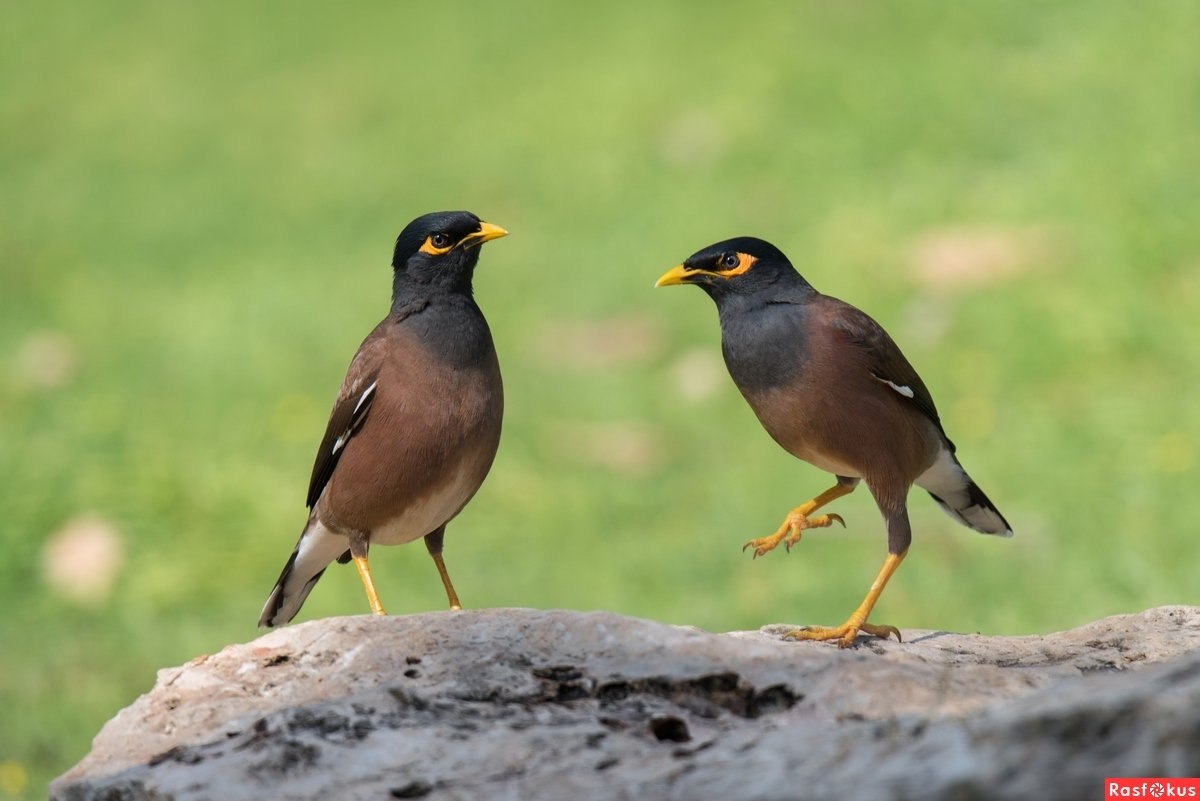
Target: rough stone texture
[{"x": 526, "y": 704}]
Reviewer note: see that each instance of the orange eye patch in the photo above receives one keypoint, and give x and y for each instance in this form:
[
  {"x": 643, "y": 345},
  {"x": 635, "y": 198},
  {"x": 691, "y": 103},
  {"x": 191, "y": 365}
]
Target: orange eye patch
[{"x": 745, "y": 262}]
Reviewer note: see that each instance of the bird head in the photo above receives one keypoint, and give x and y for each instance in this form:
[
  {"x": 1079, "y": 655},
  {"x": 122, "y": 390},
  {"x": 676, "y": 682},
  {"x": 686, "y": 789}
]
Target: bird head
[
  {"x": 441, "y": 249},
  {"x": 736, "y": 267}
]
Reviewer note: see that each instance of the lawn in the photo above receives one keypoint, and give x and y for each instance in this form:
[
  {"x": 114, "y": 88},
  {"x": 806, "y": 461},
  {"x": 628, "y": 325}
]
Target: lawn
[{"x": 198, "y": 208}]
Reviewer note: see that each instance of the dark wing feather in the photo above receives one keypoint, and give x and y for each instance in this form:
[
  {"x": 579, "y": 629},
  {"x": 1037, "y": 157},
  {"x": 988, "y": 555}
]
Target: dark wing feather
[
  {"x": 355, "y": 398},
  {"x": 887, "y": 363},
  {"x": 349, "y": 411}
]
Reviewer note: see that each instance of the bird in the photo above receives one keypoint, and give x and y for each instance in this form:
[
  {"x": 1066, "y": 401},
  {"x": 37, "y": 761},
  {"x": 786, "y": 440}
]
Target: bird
[
  {"x": 832, "y": 388},
  {"x": 416, "y": 424}
]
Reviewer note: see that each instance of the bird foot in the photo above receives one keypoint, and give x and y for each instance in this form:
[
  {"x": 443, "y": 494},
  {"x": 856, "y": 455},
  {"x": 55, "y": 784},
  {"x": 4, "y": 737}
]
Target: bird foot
[
  {"x": 789, "y": 532},
  {"x": 364, "y": 573},
  {"x": 845, "y": 634}
]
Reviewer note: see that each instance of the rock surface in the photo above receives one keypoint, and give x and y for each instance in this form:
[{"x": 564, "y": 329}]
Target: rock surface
[{"x": 527, "y": 704}]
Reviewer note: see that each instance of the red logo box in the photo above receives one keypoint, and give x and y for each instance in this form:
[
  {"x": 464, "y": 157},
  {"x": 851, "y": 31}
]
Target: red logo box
[{"x": 1150, "y": 788}]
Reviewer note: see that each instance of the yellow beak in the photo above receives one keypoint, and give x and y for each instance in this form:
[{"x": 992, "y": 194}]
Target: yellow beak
[
  {"x": 486, "y": 233},
  {"x": 674, "y": 276}
]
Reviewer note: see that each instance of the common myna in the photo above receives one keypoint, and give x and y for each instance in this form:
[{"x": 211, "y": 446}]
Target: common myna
[
  {"x": 831, "y": 387},
  {"x": 416, "y": 423}
]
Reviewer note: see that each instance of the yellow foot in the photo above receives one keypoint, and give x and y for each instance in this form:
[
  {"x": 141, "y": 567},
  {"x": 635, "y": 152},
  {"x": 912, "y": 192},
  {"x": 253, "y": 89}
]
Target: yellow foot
[
  {"x": 789, "y": 532},
  {"x": 364, "y": 573},
  {"x": 844, "y": 634}
]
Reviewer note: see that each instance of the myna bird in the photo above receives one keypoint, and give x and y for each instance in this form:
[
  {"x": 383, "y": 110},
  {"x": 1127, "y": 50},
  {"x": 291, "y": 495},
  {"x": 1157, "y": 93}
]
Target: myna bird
[
  {"x": 416, "y": 423},
  {"x": 831, "y": 387}
]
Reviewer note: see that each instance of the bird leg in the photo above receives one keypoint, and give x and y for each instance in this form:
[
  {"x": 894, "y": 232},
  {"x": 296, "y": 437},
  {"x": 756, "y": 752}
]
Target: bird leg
[
  {"x": 798, "y": 519},
  {"x": 433, "y": 541},
  {"x": 358, "y": 552},
  {"x": 857, "y": 621}
]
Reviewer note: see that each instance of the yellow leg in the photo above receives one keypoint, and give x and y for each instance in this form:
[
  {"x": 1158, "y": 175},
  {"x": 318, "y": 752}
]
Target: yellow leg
[
  {"x": 364, "y": 573},
  {"x": 450, "y": 593},
  {"x": 857, "y": 622},
  {"x": 798, "y": 519}
]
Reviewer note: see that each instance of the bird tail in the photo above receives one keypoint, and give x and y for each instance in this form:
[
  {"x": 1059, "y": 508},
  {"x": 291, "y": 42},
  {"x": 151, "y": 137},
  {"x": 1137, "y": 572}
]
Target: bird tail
[
  {"x": 317, "y": 547},
  {"x": 960, "y": 497}
]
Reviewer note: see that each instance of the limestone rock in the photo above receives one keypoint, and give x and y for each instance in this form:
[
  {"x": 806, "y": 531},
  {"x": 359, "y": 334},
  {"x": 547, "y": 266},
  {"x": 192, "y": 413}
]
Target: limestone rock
[{"x": 528, "y": 704}]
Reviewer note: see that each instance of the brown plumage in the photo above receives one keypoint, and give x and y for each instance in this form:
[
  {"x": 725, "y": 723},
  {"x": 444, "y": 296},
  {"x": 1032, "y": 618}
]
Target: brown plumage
[
  {"x": 830, "y": 386},
  {"x": 416, "y": 424}
]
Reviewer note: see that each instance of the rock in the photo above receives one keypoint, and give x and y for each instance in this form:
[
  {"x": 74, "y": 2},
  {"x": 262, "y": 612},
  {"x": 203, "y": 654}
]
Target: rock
[{"x": 527, "y": 704}]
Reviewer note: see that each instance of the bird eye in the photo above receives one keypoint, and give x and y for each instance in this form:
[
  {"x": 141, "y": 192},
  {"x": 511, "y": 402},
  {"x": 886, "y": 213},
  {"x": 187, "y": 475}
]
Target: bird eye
[
  {"x": 730, "y": 260},
  {"x": 439, "y": 240}
]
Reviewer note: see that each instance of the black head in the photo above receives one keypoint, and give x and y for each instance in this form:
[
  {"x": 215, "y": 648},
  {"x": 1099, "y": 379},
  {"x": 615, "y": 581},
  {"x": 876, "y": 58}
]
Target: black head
[
  {"x": 441, "y": 249},
  {"x": 739, "y": 267}
]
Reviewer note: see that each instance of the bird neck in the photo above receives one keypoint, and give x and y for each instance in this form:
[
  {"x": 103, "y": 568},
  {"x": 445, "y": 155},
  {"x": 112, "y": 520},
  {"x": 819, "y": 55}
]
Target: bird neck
[
  {"x": 449, "y": 325},
  {"x": 754, "y": 291},
  {"x": 731, "y": 305},
  {"x": 406, "y": 290},
  {"x": 765, "y": 345}
]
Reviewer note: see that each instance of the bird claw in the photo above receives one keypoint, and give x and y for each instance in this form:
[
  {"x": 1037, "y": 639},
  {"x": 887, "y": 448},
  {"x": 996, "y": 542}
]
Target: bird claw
[
  {"x": 792, "y": 539},
  {"x": 761, "y": 545},
  {"x": 845, "y": 634},
  {"x": 790, "y": 532}
]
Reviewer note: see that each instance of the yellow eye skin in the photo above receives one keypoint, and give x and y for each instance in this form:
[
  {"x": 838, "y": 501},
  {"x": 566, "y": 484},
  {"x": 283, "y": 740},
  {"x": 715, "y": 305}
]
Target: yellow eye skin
[
  {"x": 436, "y": 244},
  {"x": 734, "y": 264},
  {"x": 727, "y": 265}
]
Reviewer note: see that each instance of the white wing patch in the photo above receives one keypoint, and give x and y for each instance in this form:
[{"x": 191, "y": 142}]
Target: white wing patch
[
  {"x": 364, "y": 401},
  {"x": 368, "y": 392},
  {"x": 903, "y": 390}
]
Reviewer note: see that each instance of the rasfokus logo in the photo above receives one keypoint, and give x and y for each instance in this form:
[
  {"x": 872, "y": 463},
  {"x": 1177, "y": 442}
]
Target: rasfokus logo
[{"x": 1145, "y": 787}]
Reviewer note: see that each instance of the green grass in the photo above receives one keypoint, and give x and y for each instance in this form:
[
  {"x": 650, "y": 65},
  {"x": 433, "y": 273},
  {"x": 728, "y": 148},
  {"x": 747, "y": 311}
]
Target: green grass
[{"x": 202, "y": 201}]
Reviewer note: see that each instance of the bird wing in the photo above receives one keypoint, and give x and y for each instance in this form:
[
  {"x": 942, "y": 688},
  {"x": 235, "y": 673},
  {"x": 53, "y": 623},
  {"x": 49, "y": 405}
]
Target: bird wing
[
  {"x": 354, "y": 399},
  {"x": 349, "y": 412},
  {"x": 884, "y": 359}
]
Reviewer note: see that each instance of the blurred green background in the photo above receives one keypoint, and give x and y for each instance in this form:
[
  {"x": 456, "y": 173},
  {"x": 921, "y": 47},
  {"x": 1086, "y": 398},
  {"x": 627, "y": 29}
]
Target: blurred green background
[{"x": 198, "y": 208}]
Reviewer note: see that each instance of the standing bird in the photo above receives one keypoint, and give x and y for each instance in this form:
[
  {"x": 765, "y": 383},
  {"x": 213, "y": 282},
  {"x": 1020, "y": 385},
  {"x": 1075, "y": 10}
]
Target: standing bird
[
  {"x": 416, "y": 423},
  {"x": 830, "y": 386}
]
